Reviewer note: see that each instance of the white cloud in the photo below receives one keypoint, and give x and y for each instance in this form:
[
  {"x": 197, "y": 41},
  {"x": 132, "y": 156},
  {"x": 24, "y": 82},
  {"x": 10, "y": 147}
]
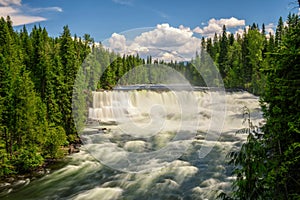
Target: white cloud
[
  {"x": 117, "y": 42},
  {"x": 163, "y": 42},
  {"x": 20, "y": 14},
  {"x": 5, "y": 11},
  {"x": 231, "y": 22},
  {"x": 216, "y": 26},
  {"x": 10, "y": 2},
  {"x": 209, "y": 30},
  {"x": 23, "y": 19},
  {"x": 164, "y": 36},
  {"x": 240, "y": 31},
  {"x": 55, "y": 9},
  {"x": 181, "y": 27},
  {"x": 270, "y": 28}
]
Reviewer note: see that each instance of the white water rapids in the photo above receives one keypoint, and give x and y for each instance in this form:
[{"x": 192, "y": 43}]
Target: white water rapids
[{"x": 137, "y": 127}]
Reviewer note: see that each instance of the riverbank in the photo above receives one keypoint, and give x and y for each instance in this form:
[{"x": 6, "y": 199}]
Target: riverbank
[{"x": 17, "y": 181}]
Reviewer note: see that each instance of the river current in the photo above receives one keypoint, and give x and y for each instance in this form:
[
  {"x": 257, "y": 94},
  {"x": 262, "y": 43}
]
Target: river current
[{"x": 117, "y": 159}]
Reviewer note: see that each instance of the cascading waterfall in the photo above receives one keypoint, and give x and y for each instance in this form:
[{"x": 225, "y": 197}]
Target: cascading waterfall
[
  {"x": 111, "y": 105},
  {"x": 185, "y": 177}
]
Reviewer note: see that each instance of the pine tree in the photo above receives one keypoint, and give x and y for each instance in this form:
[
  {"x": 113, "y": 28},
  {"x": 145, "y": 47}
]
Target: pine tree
[
  {"x": 216, "y": 49},
  {"x": 70, "y": 68},
  {"x": 233, "y": 78},
  {"x": 281, "y": 110},
  {"x": 267, "y": 166},
  {"x": 222, "y": 60},
  {"x": 279, "y": 32},
  {"x": 246, "y": 66},
  {"x": 255, "y": 56}
]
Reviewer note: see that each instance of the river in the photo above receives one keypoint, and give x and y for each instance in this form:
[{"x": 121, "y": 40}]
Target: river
[{"x": 152, "y": 150}]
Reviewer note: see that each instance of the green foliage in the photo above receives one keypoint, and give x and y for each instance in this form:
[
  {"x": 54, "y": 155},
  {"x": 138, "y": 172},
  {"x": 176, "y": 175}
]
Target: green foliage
[
  {"x": 5, "y": 166},
  {"x": 55, "y": 139},
  {"x": 240, "y": 59},
  {"x": 249, "y": 164},
  {"x": 267, "y": 166},
  {"x": 37, "y": 75},
  {"x": 281, "y": 109},
  {"x": 28, "y": 159}
]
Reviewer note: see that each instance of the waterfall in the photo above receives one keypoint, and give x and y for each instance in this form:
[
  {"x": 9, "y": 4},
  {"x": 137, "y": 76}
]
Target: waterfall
[
  {"x": 111, "y": 106},
  {"x": 136, "y": 143},
  {"x": 154, "y": 127}
]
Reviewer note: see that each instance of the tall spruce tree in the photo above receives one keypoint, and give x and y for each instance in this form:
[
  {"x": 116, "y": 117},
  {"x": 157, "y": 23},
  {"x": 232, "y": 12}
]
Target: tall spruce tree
[
  {"x": 223, "y": 57},
  {"x": 281, "y": 110},
  {"x": 267, "y": 166},
  {"x": 70, "y": 68}
]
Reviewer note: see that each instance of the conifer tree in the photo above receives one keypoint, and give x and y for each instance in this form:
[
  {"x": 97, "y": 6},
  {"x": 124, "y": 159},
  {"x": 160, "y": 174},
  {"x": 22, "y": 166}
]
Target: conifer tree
[{"x": 222, "y": 60}]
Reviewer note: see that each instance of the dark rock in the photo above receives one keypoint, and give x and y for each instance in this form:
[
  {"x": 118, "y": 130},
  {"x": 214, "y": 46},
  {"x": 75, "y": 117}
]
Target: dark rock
[
  {"x": 10, "y": 179},
  {"x": 73, "y": 149},
  {"x": 103, "y": 130}
]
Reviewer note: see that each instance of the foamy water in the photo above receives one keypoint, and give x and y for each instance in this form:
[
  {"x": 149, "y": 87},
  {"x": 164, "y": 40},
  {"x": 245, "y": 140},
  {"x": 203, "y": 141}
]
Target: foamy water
[{"x": 165, "y": 163}]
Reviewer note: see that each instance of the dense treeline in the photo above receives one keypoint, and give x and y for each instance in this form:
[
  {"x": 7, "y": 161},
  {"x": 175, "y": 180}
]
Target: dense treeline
[
  {"x": 239, "y": 58},
  {"x": 113, "y": 69},
  {"x": 268, "y": 164},
  {"x": 37, "y": 75},
  {"x": 38, "y": 72}
]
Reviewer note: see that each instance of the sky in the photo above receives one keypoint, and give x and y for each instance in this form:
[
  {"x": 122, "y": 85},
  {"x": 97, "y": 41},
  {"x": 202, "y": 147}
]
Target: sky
[{"x": 179, "y": 22}]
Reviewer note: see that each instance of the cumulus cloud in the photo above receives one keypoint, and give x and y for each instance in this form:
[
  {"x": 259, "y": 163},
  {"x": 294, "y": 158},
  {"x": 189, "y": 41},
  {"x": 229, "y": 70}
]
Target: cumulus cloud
[
  {"x": 164, "y": 42},
  {"x": 10, "y": 2},
  {"x": 5, "y": 11},
  {"x": 270, "y": 28},
  {"x": 181, "y": 27},
  {"x": 232, "y": 22},
  {"x": 20, "y": 14},
  {"x": 216, "y": 26},
  {"x": 209, "y": 30},
  {"x": 240, "y": 32},
  {"x": 164, "y": 36},
  {"x": 117, "y": 42}
]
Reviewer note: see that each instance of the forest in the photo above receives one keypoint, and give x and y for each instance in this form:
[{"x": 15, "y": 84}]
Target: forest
[{"x": 38, "y": 72}]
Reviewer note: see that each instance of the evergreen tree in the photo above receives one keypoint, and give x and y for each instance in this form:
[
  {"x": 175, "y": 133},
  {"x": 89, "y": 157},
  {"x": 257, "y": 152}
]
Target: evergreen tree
[
  {"x": 281, "y": 110},
  {"x": 267, "y": 166},
  {"x": 222, "y": 59},
  {"x": 70, "y": 66},
  {"x": 37, "y": 75},
  {"x": 255, "y": 56},
  {"x": 279, "y": 32},
  {"x": 233, "y": 78}
]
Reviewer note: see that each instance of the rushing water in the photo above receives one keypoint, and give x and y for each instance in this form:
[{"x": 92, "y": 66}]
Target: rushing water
[{"x": 186, "y": 176}]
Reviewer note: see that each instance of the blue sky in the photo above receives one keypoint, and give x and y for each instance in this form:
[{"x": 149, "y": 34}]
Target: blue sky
[
  {"x": 101, "y": 18},
  {"x": 104, "y": 19}
]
